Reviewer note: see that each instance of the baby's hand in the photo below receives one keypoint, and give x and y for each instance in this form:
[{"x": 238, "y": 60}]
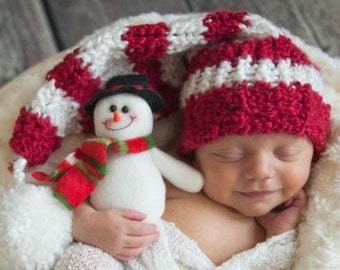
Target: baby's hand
[
  {"x": 284, "y": 217},
  {"x": 118, "y": 232}
]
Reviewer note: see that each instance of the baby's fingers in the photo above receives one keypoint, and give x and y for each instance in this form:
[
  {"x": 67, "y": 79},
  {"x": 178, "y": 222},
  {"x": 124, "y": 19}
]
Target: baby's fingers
[
  {"x": 136, "y": 228},
  {"x": 136, "y": 245},
  {"x": 299, "y": 200}
]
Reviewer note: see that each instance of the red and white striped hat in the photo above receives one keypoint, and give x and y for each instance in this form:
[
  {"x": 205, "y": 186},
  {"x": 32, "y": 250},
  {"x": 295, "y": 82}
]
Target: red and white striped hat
[
  {"x": 257, "y": 85},
  {"x": 154, "y": 45}
]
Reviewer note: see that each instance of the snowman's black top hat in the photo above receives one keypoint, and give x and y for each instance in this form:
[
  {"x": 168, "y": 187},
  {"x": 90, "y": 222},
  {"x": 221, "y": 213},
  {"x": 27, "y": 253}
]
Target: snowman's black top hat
[{"x": 135, "y": 84}]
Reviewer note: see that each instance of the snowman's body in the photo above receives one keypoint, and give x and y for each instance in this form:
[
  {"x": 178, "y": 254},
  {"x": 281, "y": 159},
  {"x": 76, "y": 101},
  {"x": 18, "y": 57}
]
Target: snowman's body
[
  {"x": 132, "y": 186},
  {"x": 134, "y": 181}
]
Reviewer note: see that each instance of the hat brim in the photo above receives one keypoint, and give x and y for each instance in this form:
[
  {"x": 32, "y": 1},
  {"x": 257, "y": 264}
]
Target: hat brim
[{"x": 153, "y": 98}]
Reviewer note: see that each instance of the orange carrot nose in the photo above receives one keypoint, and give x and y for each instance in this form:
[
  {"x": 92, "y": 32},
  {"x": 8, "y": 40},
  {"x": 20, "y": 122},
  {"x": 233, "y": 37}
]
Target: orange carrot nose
[{"x": 116, "y": 116}]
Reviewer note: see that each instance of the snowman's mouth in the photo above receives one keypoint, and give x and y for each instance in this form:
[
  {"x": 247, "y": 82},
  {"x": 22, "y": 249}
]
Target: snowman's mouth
[{"x": 106, "y": 124}]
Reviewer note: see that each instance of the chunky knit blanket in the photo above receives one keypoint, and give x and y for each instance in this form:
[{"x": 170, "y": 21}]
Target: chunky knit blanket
[
  {"x": 179, "y": 252},
  {"x": 50, "y": 115}
]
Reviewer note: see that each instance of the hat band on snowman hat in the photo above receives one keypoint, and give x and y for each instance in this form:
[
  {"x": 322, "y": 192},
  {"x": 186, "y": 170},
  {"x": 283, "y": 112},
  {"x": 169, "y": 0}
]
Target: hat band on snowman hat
[{"x": 117, "y": 87}]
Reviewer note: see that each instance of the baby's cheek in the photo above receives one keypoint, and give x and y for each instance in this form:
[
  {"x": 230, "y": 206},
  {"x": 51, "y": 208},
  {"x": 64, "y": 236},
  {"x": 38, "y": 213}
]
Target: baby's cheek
[{"x": 214, "y": 192}]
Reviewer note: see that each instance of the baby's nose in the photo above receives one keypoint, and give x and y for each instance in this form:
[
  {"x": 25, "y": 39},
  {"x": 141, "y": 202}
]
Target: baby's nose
[{"x": 260, "y": 167}]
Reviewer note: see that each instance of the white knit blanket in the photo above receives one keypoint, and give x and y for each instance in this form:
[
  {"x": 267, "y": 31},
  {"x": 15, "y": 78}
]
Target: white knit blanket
[{"x": 175, "y": 251}]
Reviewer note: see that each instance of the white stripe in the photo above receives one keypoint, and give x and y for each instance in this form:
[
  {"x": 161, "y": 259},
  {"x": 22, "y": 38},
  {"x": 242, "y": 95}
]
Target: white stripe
[
  {"x": 172, "y": 69},
  {"x": 258, "y": 27},
  {"x": 105, "y": 54},
  {"x": 19, "y": 166},
  {"x": 261, "y": 28},
  {"x": 105, "y": 51},
  {"x": 185, "y": 32},
  {"x": 265, "y": 70},
  {"x": 53, "y": 103}
]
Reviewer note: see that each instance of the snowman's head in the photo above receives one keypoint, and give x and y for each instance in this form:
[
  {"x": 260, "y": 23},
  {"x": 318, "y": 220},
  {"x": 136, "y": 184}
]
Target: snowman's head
[
  {"x": 122, "y": 116},
  {"x": 124, "y": 110}
]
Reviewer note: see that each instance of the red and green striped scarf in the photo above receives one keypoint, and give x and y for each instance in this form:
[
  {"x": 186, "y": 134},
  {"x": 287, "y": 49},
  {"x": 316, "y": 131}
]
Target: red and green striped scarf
[{"x": 76, "y": 182}]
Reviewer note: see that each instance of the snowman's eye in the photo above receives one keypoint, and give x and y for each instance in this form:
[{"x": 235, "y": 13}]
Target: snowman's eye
[
  {"x": 113, "y": 108},
  {"x": 125, "y": 109}
]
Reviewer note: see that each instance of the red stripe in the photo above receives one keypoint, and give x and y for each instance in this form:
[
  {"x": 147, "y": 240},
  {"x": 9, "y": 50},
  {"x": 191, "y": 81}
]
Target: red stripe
[
  {"x": 74, "y": 186},
  {"x": 86, "y": 121},
  {"x": 93, "y": 171},
  {"x": 95, "y": 150},
  {"x": 223, "y": 25},
  {"x": 71, "y": 76},
  {"x": 78, "y": 154},
  {"x": 271, "y": 48},
  {"x": 137, "y": 145},
  {"x": 170, "y": 95},
  {"x": 63, "y": 166},
  {"x": 295, "y": 109},
  {"x": 117, "y": 87},
  {"x": 34, "y": 137},
  {"x": 40, "y": 176},
  {"x": 146, "y": 41}
]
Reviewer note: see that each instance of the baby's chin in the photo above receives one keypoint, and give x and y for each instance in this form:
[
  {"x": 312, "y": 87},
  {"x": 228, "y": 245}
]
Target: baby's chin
[
  {"x": 260, "y": 210},
  {"x": 261, "y": 206}
]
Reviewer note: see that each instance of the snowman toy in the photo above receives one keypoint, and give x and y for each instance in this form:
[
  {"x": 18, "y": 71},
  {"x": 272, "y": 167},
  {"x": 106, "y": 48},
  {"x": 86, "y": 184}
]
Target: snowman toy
[{"x": 122, "y": 167}]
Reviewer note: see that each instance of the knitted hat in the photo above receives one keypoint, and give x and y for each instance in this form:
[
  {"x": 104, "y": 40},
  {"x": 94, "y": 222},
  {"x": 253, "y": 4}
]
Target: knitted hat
[
  {"x": 252, "y": 86},
  {"x": 134, "y": 84},
  {"x": 154, "y": 45}
]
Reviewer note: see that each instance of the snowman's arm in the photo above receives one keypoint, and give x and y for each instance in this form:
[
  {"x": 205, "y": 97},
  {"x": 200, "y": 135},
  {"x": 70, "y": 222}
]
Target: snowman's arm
[{"x": 177, "y": 172}]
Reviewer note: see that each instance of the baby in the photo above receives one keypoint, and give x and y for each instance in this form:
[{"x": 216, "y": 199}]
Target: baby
[{"x": 253, "y": 123}]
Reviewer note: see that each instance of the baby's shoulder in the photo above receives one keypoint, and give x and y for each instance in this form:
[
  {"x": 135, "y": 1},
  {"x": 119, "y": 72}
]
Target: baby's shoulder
[
  {"x": 219, "y": 231},
  {"x": 197, "y": 208}
]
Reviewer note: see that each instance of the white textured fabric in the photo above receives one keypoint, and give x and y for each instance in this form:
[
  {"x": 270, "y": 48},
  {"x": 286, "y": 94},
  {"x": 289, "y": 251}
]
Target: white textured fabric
[{"x": 174, "y": 250}]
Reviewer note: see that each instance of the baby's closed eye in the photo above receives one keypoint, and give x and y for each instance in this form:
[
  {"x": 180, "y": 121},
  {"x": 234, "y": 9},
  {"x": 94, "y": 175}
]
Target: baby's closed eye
[
  {"x": 231, "y": 155},
  {"x": 288, "y": 153}
]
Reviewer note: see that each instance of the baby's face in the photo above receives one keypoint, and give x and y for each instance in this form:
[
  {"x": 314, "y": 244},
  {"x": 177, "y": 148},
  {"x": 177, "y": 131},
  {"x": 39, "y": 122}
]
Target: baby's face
[{"x": 254, "y": 174}]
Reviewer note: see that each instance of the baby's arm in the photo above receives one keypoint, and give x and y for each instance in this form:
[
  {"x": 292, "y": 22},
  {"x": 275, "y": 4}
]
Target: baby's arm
[
  {"x": 285, "y": 217},
  {"x": 120, "y": 233}
]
